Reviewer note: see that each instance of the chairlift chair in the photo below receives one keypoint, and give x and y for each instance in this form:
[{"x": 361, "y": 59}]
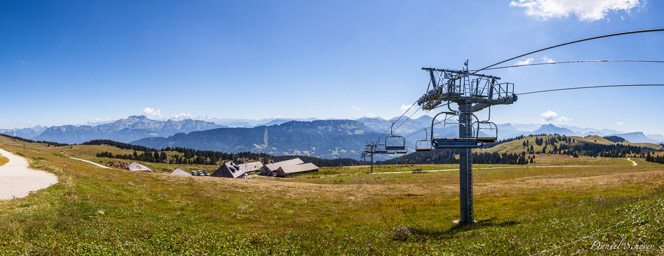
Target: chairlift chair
[
  {"x": 486, "y": 139},
  {"x": 451, "y": 143},
  {"x": 380, "y": 149},
  {"x": 423, "y": 145},
  {"x": 395, "y": 142}
]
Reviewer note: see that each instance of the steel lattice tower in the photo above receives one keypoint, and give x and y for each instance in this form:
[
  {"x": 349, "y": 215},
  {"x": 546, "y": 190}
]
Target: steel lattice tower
[{"x": 471, "y": 92}]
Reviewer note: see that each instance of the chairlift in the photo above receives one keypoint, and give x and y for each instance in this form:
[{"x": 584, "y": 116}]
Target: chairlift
[
  {"x": 488, "y": 126},
  {"x": 451, "y": 143},
  {"x": 423, "y": 145},
  {"x": 380, "y": 149},
  {"x": 395, "y": 142}
]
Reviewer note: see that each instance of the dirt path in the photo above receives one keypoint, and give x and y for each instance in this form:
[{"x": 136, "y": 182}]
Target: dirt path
[
  {"x": 633, "y": 163},
  {"x": 90, "y": 162},
  {"x": 18, "y": 180}
]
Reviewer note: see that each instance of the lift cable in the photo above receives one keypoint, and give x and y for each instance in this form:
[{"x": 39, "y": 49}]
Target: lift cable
[
  {"x": 591, "y": 87},
  {"x": 402, "y": 115},
  {"x": 426, "y": 128},
  {"x": 408, "y": 118},
  {"x": 556, "y": 90},
  {"x": 411, "y": 115},
  {"x": 573, "y": 61},
  {"x": 568, "y": 43},
  {"x": 544, "y": 49}
]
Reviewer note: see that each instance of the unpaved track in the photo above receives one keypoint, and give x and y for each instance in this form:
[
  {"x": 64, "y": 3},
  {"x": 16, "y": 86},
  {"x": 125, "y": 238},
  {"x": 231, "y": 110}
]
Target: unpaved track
[
  {"x": 633, "y": 163},
  {"x": 18, "y": 180},
  {"x": 90, "y": 162}
]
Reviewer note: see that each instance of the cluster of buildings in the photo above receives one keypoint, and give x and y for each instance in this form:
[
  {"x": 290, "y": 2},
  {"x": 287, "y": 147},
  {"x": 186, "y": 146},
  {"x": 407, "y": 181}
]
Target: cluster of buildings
[
  {"x": 240, "y": 171},
  {"x": 278, "y": 169}
]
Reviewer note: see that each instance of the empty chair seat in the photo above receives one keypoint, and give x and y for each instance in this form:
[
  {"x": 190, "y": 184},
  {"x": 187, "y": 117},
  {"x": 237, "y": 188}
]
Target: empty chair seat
[
  {"x": 486, "y": 139},
  {"x": 451, "y": 143},
  {"x": 423, "y": 145}
]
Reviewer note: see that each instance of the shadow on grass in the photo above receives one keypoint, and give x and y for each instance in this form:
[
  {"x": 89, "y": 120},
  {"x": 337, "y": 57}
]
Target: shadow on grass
[{"x": 456, "y": 229}]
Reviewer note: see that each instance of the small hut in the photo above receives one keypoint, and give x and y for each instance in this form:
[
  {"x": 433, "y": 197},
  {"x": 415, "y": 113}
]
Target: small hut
[
  {"x": 269, "y": 169},
  {"x": 232, "y": 170},
  {"x": 179, "y": 171},
  {"x": 136, "y": 167},
  {"x": 284, "y": 171}
]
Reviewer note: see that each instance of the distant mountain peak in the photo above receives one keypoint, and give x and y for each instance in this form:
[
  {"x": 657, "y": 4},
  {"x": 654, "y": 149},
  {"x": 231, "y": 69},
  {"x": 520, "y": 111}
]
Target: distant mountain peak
[
  {"x": 123, "y": 130},
  {"x": 552, "y": 129},
  {"x": 636, "y": 137}
]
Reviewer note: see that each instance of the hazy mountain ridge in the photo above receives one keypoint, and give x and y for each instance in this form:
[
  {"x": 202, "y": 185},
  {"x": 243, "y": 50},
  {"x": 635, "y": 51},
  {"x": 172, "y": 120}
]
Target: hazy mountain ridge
[
  {"x": 123, "y": 130},
  {"x": 320, "y": 138},
  {"x": 637, "y": 137},
  {"x": 287, "y": 136},
  {"x": 28, "y": 133}
]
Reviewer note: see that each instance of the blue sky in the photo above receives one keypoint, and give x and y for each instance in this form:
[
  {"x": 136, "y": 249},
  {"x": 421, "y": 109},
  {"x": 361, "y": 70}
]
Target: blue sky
[{"x": 66, "y": 62}]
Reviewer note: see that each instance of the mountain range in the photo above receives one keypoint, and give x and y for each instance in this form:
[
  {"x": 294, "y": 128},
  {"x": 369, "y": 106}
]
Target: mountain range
[
  {"x": 28, "y": 133},
  {"x": 320, "y": 138},
  {"x": 123, "y": 130},
  {"x": 282, "y": 136}
]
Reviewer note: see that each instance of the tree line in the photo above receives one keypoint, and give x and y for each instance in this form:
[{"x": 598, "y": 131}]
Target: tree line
[
  {"x": 557, "y": 144},
  {"x": 654, "y": 158}
]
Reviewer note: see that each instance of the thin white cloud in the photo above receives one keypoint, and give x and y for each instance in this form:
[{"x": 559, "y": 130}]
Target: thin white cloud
[
  {"x": 356, "y": 108},
  {"x": 564, "y": 119},
  {"x": 183, "y": 116},
  {"x": 621, "y": 123},
  {"x": 549, "y": 115},
  {"x": 404, "y": 108},
  {"x": 584, "y": 10},
  {"x": 372, "y": 115},
  {"x": 525, "y": 62},
  {"x": 151, "y": 112},
  {"x": 186, "y": 116},
  {"x": 548, "y": 60}
]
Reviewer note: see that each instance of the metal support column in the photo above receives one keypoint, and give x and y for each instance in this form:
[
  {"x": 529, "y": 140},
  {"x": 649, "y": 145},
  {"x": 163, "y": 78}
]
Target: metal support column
[
  {"x": 372, "y": 154},
  {"x": 466, "y": 165}
]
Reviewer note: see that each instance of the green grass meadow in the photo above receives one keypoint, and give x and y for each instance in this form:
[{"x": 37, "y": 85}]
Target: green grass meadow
[
  {"x": 558, "y": 206},
  {"x": 3, "y": 160}
]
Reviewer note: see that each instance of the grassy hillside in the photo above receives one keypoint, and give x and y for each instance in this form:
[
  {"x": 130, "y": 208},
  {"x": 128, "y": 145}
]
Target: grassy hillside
[
  {"x": 520, "y": 210},
  {"x": 3, "y": 160},
  {"x": 89, "y": 152},
  {"x": 517, "y": 146}
]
